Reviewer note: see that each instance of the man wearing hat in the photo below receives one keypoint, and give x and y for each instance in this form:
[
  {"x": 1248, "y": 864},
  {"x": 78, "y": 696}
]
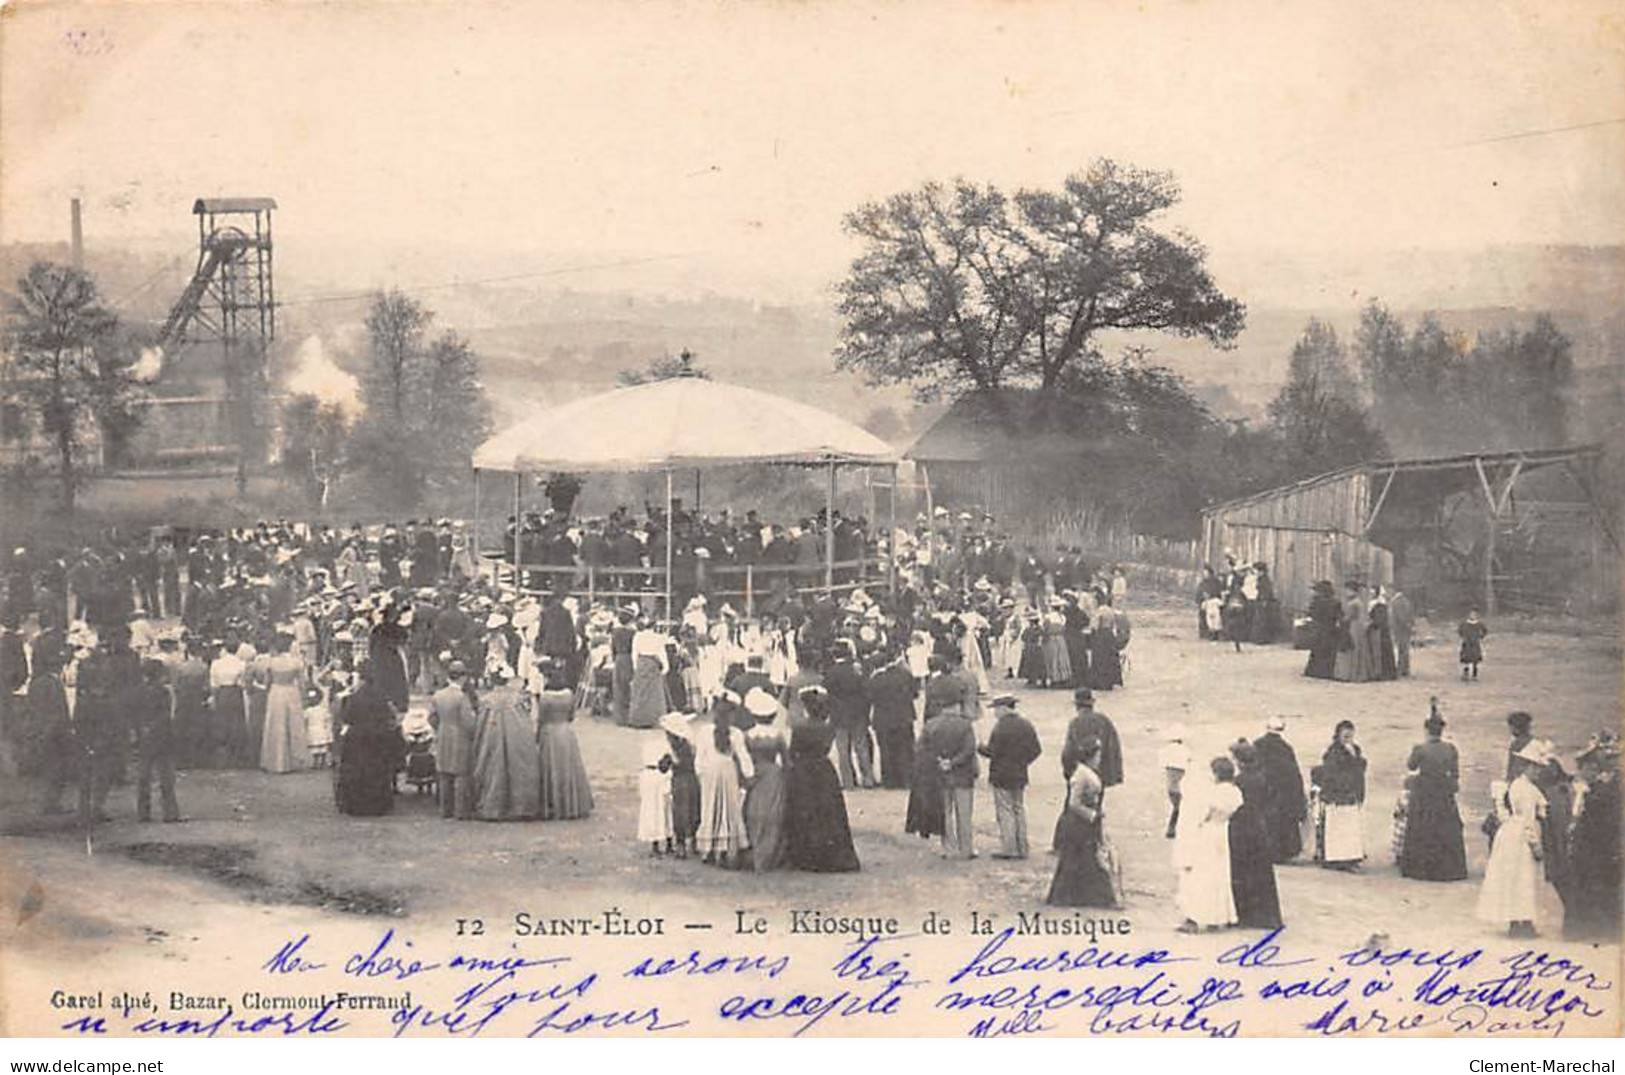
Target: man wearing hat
[
  {"x": 1087, "y": 723},
  {"x": 892, "y": 691},
  {"x": 155, "y": 742},
  {"x": 452, "y": 716},
  {"x": 1011, "y": 747},
  {"x": 849, "y": 713},
  {"x": 951, "y": 741}
]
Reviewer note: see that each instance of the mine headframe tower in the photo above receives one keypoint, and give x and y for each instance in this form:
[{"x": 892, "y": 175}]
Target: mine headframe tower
[{"x": 231, "y": 300}]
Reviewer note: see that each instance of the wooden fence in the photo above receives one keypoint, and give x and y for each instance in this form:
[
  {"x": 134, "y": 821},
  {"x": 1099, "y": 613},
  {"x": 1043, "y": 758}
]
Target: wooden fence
[{"x": 746, "y": 584}]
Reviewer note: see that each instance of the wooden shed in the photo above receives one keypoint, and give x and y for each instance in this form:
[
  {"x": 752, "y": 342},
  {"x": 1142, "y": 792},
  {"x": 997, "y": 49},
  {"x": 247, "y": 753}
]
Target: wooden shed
[{"x": 1394, "y": 520}]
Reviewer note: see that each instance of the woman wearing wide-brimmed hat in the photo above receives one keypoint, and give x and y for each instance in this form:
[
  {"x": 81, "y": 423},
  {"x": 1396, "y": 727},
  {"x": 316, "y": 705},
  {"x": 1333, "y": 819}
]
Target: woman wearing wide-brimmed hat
[{"x": 1510, "y": 894}]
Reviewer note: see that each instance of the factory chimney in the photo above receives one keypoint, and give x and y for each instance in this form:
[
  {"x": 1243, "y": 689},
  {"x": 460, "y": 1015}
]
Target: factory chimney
[{"x": 78, "y": 238}]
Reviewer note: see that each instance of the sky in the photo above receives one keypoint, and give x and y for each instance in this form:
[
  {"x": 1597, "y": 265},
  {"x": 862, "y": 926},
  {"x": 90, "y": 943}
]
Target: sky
[{"x": 728, "y": 139}]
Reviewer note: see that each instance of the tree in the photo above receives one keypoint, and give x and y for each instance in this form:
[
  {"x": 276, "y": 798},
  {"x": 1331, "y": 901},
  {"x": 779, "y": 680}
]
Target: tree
[
  {"x": 65, "y": 363},
  {"x": 964, "y": 288},
  {"x": 663, "y": 369},
  {"x": 1437, "y": 391},
  {"x": 1318, "y": 413},
  {"x": 457, "y": 413},
  {"x": 425, "y": 409},
  {"x": 314, "y": 435}
]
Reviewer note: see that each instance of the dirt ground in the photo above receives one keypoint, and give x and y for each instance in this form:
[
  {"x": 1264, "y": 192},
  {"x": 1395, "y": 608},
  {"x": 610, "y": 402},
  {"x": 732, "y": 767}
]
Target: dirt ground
[{"x": 261, "y": 851}]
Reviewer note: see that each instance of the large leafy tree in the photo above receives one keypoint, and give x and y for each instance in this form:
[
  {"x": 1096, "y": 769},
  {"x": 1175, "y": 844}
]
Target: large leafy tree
[
  {"x": 1435, "y": 390},
  {"x": 963, "y": 287},
  {"x": 425, "y": 409},
  {"x": 67, "y": 364},
  {"x": 1318, "y": 413}
]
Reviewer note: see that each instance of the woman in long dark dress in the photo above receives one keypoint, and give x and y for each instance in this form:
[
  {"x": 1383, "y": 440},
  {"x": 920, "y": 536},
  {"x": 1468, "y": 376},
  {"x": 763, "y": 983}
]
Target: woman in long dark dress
[
  {"x": 386, "y": 649},
  {"x": 1381, "y": 638},
  {"x": 1105, "y": 664},
  {"x": 818, "y": 836},
  {"x": 1434, "y": 849},
  {"x": 1080, "y": 880},
  {"x": 1326, "y": 630},
  {"x": 370, "y": 750},
  {"x": 1252, "y": 862},
  {"x": 1591, "y": 909}
]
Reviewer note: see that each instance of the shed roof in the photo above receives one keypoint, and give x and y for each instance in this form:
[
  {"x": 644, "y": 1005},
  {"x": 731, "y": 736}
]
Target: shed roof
[
  {"x": 233, "y": 205},
  {"x": 1422, "y": 478},
  {"x": 1000, "y": 425}
]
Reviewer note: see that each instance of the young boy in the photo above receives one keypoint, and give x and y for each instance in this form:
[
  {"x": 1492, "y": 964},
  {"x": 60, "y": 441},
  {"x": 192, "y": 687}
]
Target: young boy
[
  {"x": 1472, "y": 631},
  {"x": 1011, "y": 747}
]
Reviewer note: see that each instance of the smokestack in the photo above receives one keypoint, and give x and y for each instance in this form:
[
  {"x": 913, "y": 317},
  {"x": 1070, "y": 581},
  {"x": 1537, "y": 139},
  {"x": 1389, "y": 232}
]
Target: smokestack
[{"x": 78, "y": 238}]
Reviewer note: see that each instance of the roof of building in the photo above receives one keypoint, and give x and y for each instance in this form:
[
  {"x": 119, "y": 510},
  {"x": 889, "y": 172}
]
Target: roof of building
[
  {"x": 233, "y": 205},
  {"x": 1423, "y": 478},
  {"x": 1000, "y": 425}
]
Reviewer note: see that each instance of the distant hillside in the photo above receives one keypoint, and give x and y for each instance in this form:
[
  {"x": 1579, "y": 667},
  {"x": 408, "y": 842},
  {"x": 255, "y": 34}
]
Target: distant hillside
[{"x": 542, "y": 342}]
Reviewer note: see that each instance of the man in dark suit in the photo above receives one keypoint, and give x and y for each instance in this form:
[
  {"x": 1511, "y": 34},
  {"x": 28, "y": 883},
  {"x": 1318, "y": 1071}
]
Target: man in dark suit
[
  {"x": 155, "y": 742},
  {"x": 892, "y": 691},
  {"x": 1086, "y": 724},
  {"x": 951, "y": 740},
  {"x": 849, "y": 712},
  {"x": 1011, "y": 747}
]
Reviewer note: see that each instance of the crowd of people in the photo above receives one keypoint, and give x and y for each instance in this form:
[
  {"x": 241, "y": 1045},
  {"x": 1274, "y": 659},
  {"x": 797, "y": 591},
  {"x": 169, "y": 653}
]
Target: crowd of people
[
  {"x": 1366, "y": 636},
  {"x": 1237, "y": 604},
  {"x": 391, "y": 652}
]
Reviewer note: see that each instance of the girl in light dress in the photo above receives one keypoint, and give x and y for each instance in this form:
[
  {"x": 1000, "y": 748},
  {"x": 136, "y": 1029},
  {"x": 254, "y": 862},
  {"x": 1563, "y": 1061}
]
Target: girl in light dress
[
  {"x": 318, "y": 727},
  {"x": 1007, "y": 658},
  {"x": 654, "y": 784},
  {"x": 1202, "y": 850}
]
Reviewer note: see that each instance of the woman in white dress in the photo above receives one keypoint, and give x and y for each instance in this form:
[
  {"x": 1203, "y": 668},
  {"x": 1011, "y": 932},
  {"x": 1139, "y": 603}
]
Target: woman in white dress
[
  {"x": 723, "y": 764},
  {"x": 1202, "y": 850},
  {"x": 1512, "y": 877}
]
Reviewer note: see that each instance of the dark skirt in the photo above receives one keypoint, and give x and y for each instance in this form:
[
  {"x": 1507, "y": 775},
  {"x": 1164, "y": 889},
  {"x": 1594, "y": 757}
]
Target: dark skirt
[
  {"x": 685, "y": 802},
  {"x": 924, "y": 815},
  {"x": 1033, "y": 668},
  {"x": 366, "y": 773},
  {"x": 818, "y": 836},
  {"x": 1252, "y": 871},
  {"x": 1080, "y": 880},
  {"x": 389, "y": 671},
  {"x": 1434, "y": 849},
  {"x": 1322, "y": 659},
  {"x": 1105, "y": 664}
]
